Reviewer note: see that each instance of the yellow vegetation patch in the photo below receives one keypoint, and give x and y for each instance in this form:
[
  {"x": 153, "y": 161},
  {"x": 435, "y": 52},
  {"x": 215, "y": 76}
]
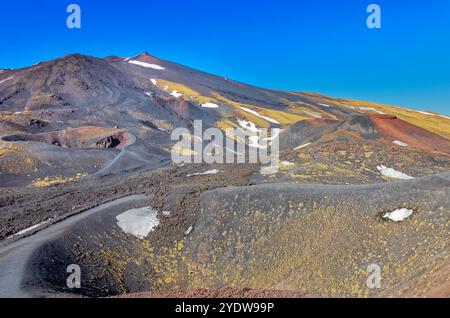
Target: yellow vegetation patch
[
  {"x": 9, "y": 149},
  {"x": 259, "y": 122},
  {"x": 188, "y": 93},
  {"x": 48, "y": 182},
  {"x": 225, "y": 123},
  {"x": 178, "y": 148},
  {"x": 284, "y": 118},
  {"x": 228, "y": 127},
  {"x": 299, "y": 108}
]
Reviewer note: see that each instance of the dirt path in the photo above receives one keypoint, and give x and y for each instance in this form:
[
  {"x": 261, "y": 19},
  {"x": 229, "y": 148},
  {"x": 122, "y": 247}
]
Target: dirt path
[
  {"x": 130, "y": 140},
  {"x": 14, "y": 257}
]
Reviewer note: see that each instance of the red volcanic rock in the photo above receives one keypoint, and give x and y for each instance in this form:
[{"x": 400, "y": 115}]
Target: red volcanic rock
[
  {"x": 182, "y": 106},
  {"x": 383, "y": 116},
  {"x": 398, "y": 129},
  {"x": 145, "y": 57},
  {"x": 322, "y": 121}
]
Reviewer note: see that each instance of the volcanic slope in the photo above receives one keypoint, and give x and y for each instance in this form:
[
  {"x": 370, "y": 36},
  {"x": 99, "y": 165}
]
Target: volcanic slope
[
  {"x": 79, "y": 132},
  {"x": 147, "y": 98}
]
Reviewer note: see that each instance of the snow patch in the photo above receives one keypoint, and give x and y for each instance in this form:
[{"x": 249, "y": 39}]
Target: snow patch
[
  {"x": 188, "y": 231},
  {"x": 31, "y": 228},
  {"x": 286, "y": 163},
  {"x": 146, "y": 65},
  {"x": 154, "y": 82},
  {"x": 443, "y": 116},
  {"x": 372, "y": 109},
  {"x": 213, "y": 171},
  {"x": 398, "y": 215},
  {"x": 302, "y": 146},
  {"x": 424, "y": 113},
  {"x": 312, "y": 114},
  {"x": 400, "y": 143},
  {"x": 210, "y": 105},
  {"x": 6, "y": 79},
  {"x": 248, "y": 125},
  {"x": 176, "y": 94},
  {"x": 391, "y": 173},
  {"x": 273, "y": 121},
  {"x": 324, "y": 105},
  {"x": 138, "y": 222}
]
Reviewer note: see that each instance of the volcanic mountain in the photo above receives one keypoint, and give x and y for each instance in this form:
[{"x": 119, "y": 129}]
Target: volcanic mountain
[
  {"x": 85, "y": 98},
  {"x": 80, "y": 132}
]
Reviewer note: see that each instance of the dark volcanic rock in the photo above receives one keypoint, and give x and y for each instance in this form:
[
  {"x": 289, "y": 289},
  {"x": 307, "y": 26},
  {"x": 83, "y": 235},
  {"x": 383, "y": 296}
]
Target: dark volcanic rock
[
  {"x": 36, "y": 123},
  {"x": 108, "y": 142}
]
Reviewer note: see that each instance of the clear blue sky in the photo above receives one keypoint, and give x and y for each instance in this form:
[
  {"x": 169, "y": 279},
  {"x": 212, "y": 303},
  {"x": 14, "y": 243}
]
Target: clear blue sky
[{"x": 311, "y": 45}]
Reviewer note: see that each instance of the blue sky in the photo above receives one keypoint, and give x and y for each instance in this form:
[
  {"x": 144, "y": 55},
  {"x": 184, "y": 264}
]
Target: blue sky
[{"x": 312, "y": 45}]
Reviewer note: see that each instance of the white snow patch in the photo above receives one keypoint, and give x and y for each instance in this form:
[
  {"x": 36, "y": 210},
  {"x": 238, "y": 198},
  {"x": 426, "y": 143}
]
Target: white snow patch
[
  {"x": 146, "y": 65},
  {"x": 273, "y": 121},
  {"x": 154, "y": 81},
  {"x": 286, "y": 163},
  {"x": 148, "y": 94},
  {"x": 31, "y": 228},
  {"x": 6, "y": 79},
  {"x": 302, "y": 146},
  {"x": 372, "y": 109},
  {"x": 138, "y": 222},
  {"x": 398, "y": 215},
  {"x": 424, "y": 113},
  {"x": 391, "y": 173},
  {"x": 324, "y": 105},
  {"x": 400, "y": 143},
  {"x": 248, "y": 125},
  {"x": 351, "y": 107},
  {"x": 312, "y": 114},
  {"x": 176, "y": 94},
  {"x": 210, "y": 105},
  {"x": 213, "y": 171},
  {"x": 188, "y": 231},
  {"x": 443, "y": 116}
]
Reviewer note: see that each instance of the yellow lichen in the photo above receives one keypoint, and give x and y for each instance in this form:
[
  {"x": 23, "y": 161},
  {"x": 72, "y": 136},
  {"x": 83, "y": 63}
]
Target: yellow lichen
[{"x": 52, "y": 181}]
